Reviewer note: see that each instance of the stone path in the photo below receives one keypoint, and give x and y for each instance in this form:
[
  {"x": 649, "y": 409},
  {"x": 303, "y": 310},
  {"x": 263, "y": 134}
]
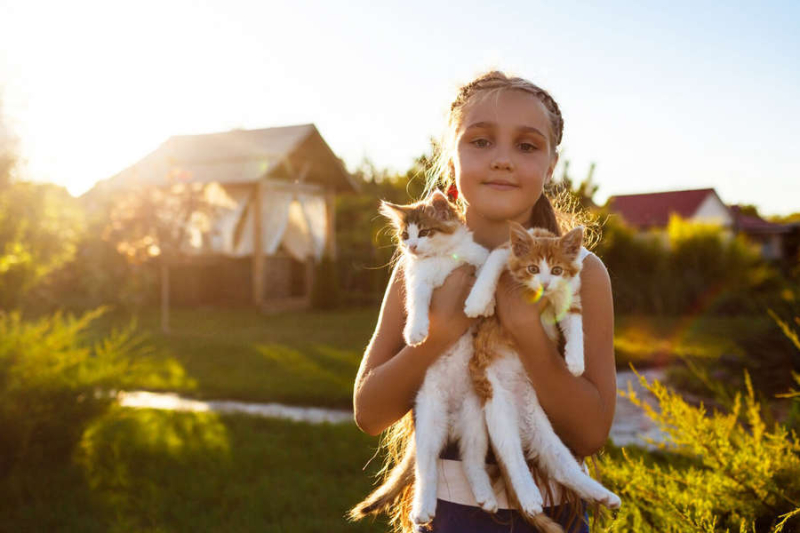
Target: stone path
[{"x": 630, "y": 423}]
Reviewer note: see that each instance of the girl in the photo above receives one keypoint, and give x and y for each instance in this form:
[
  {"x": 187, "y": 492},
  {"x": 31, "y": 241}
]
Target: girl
[{"x": 498, "y": 152}]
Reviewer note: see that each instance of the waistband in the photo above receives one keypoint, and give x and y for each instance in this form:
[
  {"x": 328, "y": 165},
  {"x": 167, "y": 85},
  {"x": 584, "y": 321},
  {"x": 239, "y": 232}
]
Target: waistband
[{"x": 453, "y": 486}]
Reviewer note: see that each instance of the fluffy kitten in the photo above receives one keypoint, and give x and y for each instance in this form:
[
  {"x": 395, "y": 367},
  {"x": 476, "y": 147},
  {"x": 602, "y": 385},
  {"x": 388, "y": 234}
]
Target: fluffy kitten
[
  {"x": 434, "y": 241},
  {"x": 547, "y": 267}
]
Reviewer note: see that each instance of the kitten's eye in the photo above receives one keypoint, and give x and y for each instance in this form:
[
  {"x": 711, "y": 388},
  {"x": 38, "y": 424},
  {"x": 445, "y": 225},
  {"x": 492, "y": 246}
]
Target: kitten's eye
[
  {"x": 533, "y": 269},
  {"x": 557, "y": 271},
  {"x": 404, "y": 235},
  {"x": 480, "y": 143},
  {"x": 426, "y": 232}
]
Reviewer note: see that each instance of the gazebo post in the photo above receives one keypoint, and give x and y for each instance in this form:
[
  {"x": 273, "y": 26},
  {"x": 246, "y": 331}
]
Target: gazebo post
[
  {"x": 330, "y": 211},
  {"x": 258, "y": 251}
]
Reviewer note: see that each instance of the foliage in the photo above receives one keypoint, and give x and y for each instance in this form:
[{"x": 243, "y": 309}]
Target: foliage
[
  {"x": 40, "y": 226},
  {"x": 53, "y": 382},
  {"x": 364, "y": 241},
  {"x": 723, "y": 472},
  {"x": 689, "y": 268},
  {"x": 325, "y": 291}
]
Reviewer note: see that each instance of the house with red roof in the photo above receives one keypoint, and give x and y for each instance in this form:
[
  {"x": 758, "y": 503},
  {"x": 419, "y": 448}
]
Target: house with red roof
[{"x": 653, "y": 210}]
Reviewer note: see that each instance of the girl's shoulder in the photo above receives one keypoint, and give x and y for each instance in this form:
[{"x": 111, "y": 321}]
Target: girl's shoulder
[{"x": 584, "y": 253}]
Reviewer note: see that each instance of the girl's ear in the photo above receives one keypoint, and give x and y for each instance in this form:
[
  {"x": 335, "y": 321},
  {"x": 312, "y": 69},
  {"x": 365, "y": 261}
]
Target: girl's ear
[
  {"x": 571, "y": 242},
  {"x": 521, "y": 240},
  {"x": 394, "y": 212}
]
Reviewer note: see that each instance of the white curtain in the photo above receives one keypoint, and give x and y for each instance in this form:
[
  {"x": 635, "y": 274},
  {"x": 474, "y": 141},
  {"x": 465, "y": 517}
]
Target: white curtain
[
  {"x": 274, "y": 218},
  {"x": 297, "y": 220},
  {"x": 316, "y": 215}
]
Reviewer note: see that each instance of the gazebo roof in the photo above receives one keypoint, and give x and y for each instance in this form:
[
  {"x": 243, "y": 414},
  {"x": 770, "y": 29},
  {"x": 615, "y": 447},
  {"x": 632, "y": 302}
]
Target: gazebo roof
[{"x": 239, "y": 157}]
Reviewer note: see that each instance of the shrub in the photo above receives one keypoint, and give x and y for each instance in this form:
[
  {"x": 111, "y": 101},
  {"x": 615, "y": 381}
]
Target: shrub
[
  {"x": 325, "y": 291},
  {"x": 53, "y": 382},
  {"x": 724, "y": 472}
]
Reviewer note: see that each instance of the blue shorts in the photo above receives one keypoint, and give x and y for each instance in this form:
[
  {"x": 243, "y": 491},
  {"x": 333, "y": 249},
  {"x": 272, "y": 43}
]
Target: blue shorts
[{"x": 456, "y": 518}]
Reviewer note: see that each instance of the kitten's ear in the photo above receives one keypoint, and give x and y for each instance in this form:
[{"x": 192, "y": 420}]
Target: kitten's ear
[
  {"x": 521, "y": 240},
  {"x": 442, "y": 208},
  {"x": 571, "y": 242},
  {"x": 395, "y": 213}
]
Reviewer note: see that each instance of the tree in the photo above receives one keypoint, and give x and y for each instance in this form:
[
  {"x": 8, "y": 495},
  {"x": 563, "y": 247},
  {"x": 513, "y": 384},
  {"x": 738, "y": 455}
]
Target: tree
[{"x": 163, "y": 224}]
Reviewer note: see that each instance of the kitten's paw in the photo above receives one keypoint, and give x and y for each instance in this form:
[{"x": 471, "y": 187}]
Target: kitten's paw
[
  {"x": 477, "y": 306},
  {"x": 531, "y": 503},
  {"x": 610, "y": 500},
  {"x": 575, "y": 366},
  {"x": 423, "y": 512},
  {"x": 488, "y": 504},
  {"x": 415, "y": 332}
]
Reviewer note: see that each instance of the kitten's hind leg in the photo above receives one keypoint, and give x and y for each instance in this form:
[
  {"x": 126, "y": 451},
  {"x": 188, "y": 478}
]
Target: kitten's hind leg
[
  {"x": 501, "y": 421},
  {"x": 473, "y": 444},
  {"x": 556, "y": 459},
  {"x": 480, "y": 301},
  {"x": 430, "y": 434}
]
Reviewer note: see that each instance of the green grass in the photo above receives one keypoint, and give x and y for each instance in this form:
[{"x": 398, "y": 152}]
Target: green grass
[
  {"x": 311, "y": 358},
  {"x": 301, "y": 358},
  {"x": 147, "y": 470}
]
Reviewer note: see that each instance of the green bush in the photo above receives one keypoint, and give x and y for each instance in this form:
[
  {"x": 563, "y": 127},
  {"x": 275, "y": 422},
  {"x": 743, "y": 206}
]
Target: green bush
[
  {"x": 40, "y": 225},
  {"x": 325, "y": 291},
  {"x": 690, "y": 268},
  {"x": 53, "y": 382},
  {"x": 728, "y": 471},
  {"x": 724, "y": 472}
]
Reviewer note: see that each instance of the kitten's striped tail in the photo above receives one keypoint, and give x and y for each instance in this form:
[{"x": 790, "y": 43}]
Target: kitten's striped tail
[{"x": 384, "y": 496}]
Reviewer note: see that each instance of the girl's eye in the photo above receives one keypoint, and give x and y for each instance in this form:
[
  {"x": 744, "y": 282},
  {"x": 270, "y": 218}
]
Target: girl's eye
[
  {"x": 533, "y": 269},
  {"x": 405, "y": 235},
  {"x": 481, "y": 143},
  {"x": 557, "y": 271},
  {"x": 527, "y": 147}
]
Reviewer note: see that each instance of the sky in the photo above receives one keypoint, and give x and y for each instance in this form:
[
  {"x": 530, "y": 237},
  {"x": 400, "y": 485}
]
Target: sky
[{"x": 661, "y": 96}]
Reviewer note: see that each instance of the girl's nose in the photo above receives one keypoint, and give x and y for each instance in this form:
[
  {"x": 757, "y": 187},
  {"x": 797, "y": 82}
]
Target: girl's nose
[{"x": 502, "y": 163}]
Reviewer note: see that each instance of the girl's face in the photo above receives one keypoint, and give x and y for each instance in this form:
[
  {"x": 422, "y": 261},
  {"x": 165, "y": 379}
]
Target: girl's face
[{"x": 503, "y": 156}]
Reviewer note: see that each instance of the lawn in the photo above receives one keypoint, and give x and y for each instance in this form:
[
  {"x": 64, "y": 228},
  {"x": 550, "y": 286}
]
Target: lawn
[
  {"x": 300, "y": 358},
  {"x": 311, "y": 358},
  {"x": 147, "y": 470}
]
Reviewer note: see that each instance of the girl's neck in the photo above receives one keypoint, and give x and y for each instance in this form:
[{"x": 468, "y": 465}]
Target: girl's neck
[{"x": 491, "y": 233}]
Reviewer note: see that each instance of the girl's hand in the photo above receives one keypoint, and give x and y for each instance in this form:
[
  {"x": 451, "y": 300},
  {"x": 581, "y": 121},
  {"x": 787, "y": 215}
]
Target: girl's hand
[
  {"x": 516, "y": 311},
  {"x": 447, "y": 319}
]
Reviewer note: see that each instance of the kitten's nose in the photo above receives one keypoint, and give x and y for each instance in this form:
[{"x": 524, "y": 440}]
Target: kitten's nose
[
  {"x": 545, "y": 285},
  {"x": 413, "y": 247}
]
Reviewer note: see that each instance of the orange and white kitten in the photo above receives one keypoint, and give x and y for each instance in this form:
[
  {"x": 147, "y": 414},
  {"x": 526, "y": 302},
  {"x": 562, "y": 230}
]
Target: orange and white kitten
[
  {"x": 547, "y": 267},
  {"x": 434, "y": 241}
]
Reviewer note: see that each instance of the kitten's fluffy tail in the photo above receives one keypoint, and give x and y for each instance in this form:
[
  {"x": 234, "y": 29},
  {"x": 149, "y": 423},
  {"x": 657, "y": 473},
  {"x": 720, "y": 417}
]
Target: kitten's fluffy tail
[{"x": 382, "y": 498}]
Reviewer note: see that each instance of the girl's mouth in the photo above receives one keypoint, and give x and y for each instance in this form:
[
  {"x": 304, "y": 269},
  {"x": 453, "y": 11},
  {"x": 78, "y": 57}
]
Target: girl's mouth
[{"x": 500, "y": 185}]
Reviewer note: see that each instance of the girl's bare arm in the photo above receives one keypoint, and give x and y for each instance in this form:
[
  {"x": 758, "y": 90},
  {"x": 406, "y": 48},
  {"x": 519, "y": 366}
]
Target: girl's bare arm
[
  {"x": 391, "y": 373},
  {"x": 581, "y": 408}
]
